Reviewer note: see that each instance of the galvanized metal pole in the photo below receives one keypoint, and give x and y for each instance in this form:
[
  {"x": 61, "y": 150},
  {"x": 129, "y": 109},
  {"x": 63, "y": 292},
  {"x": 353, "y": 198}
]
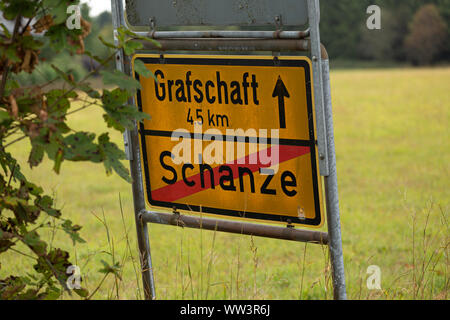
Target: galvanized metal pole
[
  {"x": 239, "y": 227},
  {"x": 235, "y": 34},
  {"x": 228, "y": 45},
  {"x": 313, "y": 16},
  {"x": 132, "y": 149},
  {"x": 327, "y": 155},
  {"x": 331, "y": 194}
]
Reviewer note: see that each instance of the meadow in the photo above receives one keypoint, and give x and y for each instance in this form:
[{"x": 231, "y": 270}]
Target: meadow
[{"x": 393, "y": 160}]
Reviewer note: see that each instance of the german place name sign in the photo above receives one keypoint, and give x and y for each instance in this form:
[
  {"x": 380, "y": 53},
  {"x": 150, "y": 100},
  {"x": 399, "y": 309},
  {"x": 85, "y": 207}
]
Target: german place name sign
[{"x": 231, "y": 136}]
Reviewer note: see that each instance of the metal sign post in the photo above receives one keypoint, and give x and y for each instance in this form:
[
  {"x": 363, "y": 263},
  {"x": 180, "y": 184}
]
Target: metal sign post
[
  {"x": 285, "y": 96},
  {"x": 331, "y": 194},
  {"x": 132, "y": 150}
]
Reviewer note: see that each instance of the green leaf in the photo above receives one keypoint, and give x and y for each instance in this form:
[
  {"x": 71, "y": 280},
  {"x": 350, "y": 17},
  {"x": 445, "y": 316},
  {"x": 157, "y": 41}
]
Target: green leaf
[
  {"x": 8, "y": 162},
  {"x": 82, "y": 292},
  {"x": 112, "y": 156},
  {"x": 45, "y": 203},
  {"x": 80, "y": 146},
  {"x": 52, "y": 293},
  {"x": 5, "y": 244},
  {"x": 58, "y": 161},
  {"x": 120, "y": 79},
  {"x": 4, "y": 116},
  {"x": 119, "y": 115},
  {"x": 94, "y": 94},
  {"x": 32, "y": 240},
  {"x": 136, "y": 36},
  {"x": 72, "y": 231},
  {"x": 50, "y": 142},
  {"x": 33, "y": 189},
  {"x": 36, "y": 154},
  {"x": 58, "y": 103},
  {"x": 11, "y": 53},
  {"x": 29, "y": 42},
  {"x": 58, "y": 10},
  {"x": 114, "y": 98},
  {"x": 142, "y": 70},
  {"x": 5, "y": 30},
  {"x": 11, "y": 84},
  {"x": 130, "y": 47},
  {"x": 16, "y": 7},
  {"x": 114, "y": 269},
  {"x": 58, "y": 37},
  {"x": 89, "y": 90}
]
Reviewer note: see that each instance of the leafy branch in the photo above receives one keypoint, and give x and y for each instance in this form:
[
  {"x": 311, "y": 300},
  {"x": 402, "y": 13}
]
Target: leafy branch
[{"x": 38, "y": 113}]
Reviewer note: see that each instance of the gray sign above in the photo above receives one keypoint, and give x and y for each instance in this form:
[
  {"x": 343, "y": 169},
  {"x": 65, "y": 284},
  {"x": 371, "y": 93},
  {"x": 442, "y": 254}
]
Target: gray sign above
[{"x": 169, "y": 13}]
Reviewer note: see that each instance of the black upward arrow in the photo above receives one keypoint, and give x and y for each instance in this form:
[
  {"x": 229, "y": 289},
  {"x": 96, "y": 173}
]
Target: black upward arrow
[{"x": 280, "y": 91}]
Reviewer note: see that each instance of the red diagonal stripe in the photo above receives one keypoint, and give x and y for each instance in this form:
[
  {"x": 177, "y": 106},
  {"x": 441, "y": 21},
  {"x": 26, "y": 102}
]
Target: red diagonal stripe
[{"x": 179, "y": 189}]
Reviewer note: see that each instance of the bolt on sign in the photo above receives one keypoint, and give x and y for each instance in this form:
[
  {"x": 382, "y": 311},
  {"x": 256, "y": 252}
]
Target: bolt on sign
[{"x": 231, "y": 136}]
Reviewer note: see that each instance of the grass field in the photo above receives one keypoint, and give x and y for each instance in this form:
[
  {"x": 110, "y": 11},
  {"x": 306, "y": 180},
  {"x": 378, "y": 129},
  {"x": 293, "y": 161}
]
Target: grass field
[{"x": 393, "y": 157}]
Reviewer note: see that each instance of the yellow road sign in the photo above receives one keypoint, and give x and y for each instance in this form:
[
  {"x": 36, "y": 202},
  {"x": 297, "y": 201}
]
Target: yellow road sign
[{"x": 231, "y": 136}]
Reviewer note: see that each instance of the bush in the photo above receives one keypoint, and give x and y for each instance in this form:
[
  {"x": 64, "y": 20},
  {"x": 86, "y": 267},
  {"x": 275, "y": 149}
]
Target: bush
[{"x": 38, "y": 113}]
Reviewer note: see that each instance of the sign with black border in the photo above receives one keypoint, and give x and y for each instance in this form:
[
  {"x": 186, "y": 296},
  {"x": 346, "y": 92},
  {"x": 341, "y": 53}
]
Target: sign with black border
[{"x": 231, "y": 92}]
